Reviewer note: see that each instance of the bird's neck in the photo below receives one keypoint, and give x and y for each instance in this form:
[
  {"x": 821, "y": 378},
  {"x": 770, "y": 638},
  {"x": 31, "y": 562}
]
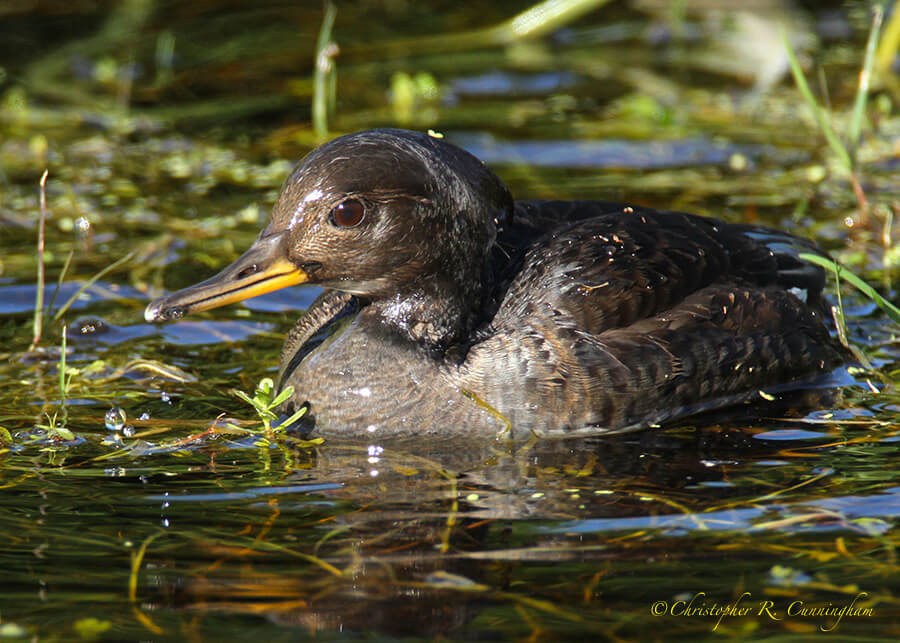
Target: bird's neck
[{"x": 435, "y": 314}]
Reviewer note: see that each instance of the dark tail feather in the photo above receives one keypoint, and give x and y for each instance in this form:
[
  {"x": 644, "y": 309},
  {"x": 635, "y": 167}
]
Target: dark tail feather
[{"x": 793, "y": 272}]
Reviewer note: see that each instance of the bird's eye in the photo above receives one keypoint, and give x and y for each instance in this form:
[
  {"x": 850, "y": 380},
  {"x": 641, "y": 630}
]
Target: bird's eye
[{"x": 348, "y": 213}]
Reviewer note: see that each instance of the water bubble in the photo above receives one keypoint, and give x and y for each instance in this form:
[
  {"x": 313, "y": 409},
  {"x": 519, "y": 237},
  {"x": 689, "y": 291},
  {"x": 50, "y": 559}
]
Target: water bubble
[
  {"x": 115, "y": 418},
  {"x": 128, "y": 431},
  {"x": 165, "y": 397},
  {"x": 144, "y": 416},
  {"x": 89, "y": 326},
  {"x": 82, "y": 224}
]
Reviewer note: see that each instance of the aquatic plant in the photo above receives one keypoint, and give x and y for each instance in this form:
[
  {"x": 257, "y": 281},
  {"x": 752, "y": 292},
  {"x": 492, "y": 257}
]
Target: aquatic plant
[{"x": 265, "y": 404}]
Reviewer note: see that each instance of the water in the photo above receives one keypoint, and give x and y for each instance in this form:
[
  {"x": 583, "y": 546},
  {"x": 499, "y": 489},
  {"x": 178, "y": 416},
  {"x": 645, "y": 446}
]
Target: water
[
  {"x": 745, "y": 527},
  {"x": 115, "y": 419}
]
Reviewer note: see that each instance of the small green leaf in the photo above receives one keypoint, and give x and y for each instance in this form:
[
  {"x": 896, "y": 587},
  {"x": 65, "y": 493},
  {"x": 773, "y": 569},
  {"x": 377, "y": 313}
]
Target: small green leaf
[
  {"x": 261, "y": 406},
  {"x": 306, "y": 444},
  {"x": 265, "y": 385},
  {"x": 296, "y": 416},
  {"x": 64, "y": 433},
  {"x": 283, "y": 396},
  {"x": 91, "y": 628},
  {"x": 97, "y": 366},
  {"x": 243, "y": 396}
]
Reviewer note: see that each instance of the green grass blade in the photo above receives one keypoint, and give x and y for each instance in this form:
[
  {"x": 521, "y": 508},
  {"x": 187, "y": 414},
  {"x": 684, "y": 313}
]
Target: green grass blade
[
  {"x": 865, "y": 76},
  {"x": 62, "y": 368},
  {"x": 323, "y": 70},
  {"x": 889, "y": 45},
  {"x": 824, "y": 124},
  {"x": 39, "y": 295},
  {"x": 59, "y": 282},
  {"x": 840, "y": 323},
  {"x": 839, "y": 271},
  {"x": 543, "y": 18},
  {"x": 90, "y": 282}
]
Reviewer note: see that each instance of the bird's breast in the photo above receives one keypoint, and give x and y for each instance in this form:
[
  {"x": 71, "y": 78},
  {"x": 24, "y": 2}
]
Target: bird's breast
[{"x": 363, "y": 386}]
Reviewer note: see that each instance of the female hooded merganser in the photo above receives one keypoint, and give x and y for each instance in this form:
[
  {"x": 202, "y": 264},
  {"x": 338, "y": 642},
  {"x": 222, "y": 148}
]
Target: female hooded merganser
[{"x": 450, "y": 309}]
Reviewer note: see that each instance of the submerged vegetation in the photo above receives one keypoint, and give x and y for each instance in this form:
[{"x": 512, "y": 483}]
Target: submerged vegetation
[{"x": 143, "y": 145}]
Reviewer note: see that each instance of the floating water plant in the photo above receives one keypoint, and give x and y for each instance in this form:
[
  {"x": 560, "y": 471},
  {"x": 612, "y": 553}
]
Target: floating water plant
[
  {"x": 56, "y": 423},
  {"x": 265, "y": 406}
]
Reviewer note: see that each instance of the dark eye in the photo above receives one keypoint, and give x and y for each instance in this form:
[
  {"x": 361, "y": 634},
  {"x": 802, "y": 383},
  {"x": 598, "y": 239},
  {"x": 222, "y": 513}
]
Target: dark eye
[{"x": 348, "y": 213}]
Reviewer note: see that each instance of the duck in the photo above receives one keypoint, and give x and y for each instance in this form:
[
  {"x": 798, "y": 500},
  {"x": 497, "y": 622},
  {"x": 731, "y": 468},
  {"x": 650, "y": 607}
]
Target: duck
[{"x": 448, "y": 309}]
